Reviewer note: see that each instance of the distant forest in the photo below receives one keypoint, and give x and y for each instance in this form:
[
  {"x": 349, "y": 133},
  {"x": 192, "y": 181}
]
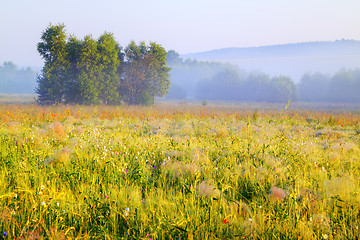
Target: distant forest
[
  {"x": 201, "y": 80},
  {"x": 16, "y": 80},
  {"x": 212, "y": 81}
]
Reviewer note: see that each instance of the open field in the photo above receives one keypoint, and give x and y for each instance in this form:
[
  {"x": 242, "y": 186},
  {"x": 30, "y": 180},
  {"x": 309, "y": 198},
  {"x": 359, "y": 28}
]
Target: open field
[
  {"x": 17, "y": 98},
  {"x": 179, "y": 172}
]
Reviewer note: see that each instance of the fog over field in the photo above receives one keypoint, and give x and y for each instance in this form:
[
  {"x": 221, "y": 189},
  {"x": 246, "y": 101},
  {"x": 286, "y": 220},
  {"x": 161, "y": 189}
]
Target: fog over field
[{"x": 293, "y": 60}]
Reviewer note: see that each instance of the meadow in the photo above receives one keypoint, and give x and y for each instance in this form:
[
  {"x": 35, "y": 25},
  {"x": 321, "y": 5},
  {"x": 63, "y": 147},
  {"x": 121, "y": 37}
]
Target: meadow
[{"x": 178, "y": 171}]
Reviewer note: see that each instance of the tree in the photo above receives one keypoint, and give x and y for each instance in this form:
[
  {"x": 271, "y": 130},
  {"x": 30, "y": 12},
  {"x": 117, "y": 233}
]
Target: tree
[
  {"x": 344, "y": 86},
  {"x": 225, "y": 85},
  {"x": 257, "y": 88},
  {"x": 313, "y": 87},
  {"x": 110, "y": 62},
  {"x": 53, "y": 78},
  {"x": 89, "y": 72},
  {"x": 173, "y": 58},
  {"x": 133, "y": 78},
  {"x": 158, "y": 74},
  {"x": 282, "y": 89},
  {"x": 146, "y": 74},
  {"x": 72, "y": 89}
]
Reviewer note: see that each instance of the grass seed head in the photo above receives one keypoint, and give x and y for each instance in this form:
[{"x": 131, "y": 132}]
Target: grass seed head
[
  {"x": 207, "y": 189},
  {"x": 277, "y": 194}
]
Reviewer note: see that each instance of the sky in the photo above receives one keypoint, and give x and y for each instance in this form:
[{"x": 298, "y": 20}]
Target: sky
[{"x": 186, "y": 26}]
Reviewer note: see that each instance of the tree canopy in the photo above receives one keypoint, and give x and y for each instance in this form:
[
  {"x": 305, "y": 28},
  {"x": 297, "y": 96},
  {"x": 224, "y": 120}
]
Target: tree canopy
[{"x": 91, "y": 71}]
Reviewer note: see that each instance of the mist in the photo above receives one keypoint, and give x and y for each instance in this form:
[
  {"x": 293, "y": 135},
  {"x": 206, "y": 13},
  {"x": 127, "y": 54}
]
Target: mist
[
  {"x": 325, "y": 72},
  {"x": 293, "y": 60},
  {"x": 334, "y": 78}
]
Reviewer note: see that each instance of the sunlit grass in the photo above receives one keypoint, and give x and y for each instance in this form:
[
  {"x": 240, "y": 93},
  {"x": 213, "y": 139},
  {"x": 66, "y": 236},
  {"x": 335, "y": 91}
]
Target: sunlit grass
[{"x": 178, "y": 171}]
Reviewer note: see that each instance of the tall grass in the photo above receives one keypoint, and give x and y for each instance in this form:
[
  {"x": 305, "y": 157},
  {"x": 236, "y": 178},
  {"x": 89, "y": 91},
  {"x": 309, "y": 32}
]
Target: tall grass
[{"x": 179, "y": 172}]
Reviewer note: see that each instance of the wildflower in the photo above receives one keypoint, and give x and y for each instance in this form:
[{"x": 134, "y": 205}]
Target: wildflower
[
  {"x": 15, "y": 196},
  {"x": 43, "y": 204},
  {"x": 42, "y": 187},
  {"x": 85, "y": 197},
  {"x": 106, "y": 197},
  {"x": 225, "y": 221},
  {"x": 126, "y": 212},
  {"x": 5, "y": 233},
  {"x": 93, "y": 206},
  {"x": 57, "y": 204},
  {"x": 325, "y": 236}
]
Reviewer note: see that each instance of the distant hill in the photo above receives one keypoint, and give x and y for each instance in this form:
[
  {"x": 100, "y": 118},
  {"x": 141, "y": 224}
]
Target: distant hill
[{"x": 289, "y": 59}]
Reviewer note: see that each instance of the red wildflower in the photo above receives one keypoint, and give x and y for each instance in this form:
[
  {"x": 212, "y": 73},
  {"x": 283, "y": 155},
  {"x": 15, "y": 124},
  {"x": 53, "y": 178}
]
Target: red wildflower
[{"x": 225, "y": 221}]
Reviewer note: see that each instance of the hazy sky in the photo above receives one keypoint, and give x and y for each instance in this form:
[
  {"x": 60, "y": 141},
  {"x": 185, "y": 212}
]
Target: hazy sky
[{"x": 183, "y": 25}]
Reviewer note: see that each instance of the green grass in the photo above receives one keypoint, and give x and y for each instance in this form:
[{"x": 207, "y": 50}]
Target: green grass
[{"x": 178, "y": 172}]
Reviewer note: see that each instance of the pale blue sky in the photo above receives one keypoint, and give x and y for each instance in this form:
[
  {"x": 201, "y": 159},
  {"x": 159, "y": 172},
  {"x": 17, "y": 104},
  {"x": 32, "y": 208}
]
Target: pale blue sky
[{"x": 183, "y": 25}]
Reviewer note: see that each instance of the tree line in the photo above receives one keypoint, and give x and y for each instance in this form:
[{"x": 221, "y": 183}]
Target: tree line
[
  {"x": 343, "y": 86},
  {"x": 228, "y": 85},
  {"x": 224, "y": 82},
  {"x": 90, "y": 71},
  {"x": 16, "y": 80},
  {"x": 185, "y": 74}
]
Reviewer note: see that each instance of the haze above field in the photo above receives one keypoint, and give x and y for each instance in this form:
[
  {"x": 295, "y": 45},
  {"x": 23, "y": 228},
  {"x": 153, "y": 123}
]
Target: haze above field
[
  {"x": 185, "y": 26},
  {"x": 292, "y": 60}
]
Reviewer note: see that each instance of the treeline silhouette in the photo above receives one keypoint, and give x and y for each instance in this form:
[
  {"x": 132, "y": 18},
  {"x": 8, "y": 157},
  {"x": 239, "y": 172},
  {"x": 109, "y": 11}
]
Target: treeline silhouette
[
  {"x": 224, "y": 82},
  {"x": 16, "y": 80},
  {"x": 343, "y": 86},
  {"x": 229, "y": 86}
]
